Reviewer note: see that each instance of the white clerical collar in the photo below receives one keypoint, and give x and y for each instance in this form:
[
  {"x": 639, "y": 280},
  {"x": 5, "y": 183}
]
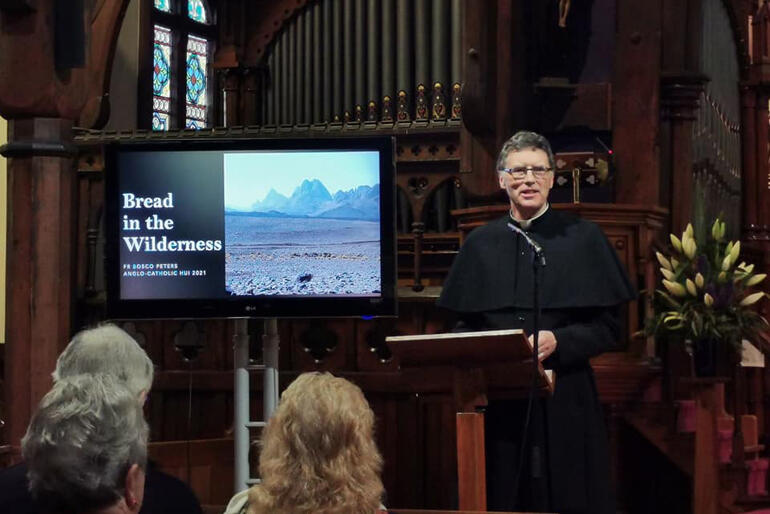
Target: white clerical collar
[{"x": 525, "y": 224}]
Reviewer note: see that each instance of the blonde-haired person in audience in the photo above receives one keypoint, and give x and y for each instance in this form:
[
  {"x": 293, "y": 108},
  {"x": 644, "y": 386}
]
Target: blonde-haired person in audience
[{"x": 318, "y": 453}]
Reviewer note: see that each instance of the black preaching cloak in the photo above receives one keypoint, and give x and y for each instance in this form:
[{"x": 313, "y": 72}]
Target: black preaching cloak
[{"x": 581, "y": 289}]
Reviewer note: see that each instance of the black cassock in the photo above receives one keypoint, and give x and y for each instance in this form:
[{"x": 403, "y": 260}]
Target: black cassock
[{"x": 581, "y": 289}]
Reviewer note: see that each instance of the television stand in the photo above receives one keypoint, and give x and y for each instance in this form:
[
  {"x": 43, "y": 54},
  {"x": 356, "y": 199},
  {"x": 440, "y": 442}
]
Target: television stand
[{"x": 269, "y": 367}]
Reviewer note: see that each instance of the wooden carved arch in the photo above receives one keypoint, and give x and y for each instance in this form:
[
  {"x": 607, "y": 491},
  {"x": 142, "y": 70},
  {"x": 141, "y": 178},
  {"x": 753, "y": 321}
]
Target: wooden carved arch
[
  {"x": 274, "y": 18},
  {"x": 77, "y": 93},
  {"x": 106, "y": 20},
  {"x": 737, "y": 16}
]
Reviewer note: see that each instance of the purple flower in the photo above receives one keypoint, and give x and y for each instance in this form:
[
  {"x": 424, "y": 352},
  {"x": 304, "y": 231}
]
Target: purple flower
[
  {"x": 703, "y": 266},
  {"x": 724, "y": 295}
]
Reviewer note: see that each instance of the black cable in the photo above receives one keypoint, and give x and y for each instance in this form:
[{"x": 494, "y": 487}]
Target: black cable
[
  {"x": 189, "y": 419},
  {"x": 538, "y": 260},
  {"x": 530, "y": 402}
]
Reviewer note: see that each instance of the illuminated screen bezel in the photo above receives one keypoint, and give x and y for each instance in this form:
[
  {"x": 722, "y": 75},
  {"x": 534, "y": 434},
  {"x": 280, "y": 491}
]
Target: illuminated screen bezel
[{"x": 253, "y": 306}]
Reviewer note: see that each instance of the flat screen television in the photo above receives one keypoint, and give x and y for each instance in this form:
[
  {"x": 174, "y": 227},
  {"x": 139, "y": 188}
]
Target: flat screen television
[{"x": 250, "y": 228}]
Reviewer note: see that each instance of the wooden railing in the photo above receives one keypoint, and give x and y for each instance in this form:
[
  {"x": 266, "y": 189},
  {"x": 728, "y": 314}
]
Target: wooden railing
[{"x": 710, "y": 428}]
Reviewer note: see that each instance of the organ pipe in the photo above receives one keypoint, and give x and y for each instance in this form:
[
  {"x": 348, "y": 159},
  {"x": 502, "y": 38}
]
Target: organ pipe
[
  {"x": 456, "y": 37},
  {"x": 421, "y": 58},
  {"x": 307, "y": 89},
  {"x": 388, "y": 60},
  {"x": 278, "y": 81},
  {"x": 456, "y": 60},
  {"x": 404, "y": 52},
  {"x": 376, "y": 60},
  {"x": 299, "y": 93},
  {"x": 328, "y": 57},
  {"x": 317, "y": 65},
  {"x": 291, "y": 55},
  {"x": 338, "y": 70},
  {"x": 439, "y": 57},
  {"x": 360, "y": 95},
  {"x": 269, "y": 89},
  {"x": 285, "y": 100},
  {"x": 349, "y": 54},
  {"x": 373, "y": 58}
]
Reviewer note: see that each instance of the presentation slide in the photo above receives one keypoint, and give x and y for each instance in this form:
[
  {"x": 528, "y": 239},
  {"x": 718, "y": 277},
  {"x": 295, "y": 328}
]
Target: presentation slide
[{"x": 229, "y": 224}]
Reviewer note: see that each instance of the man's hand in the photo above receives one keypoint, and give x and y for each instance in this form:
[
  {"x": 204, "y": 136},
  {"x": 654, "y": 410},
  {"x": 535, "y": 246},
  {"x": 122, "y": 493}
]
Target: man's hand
[{"x": 546, "y": 344}]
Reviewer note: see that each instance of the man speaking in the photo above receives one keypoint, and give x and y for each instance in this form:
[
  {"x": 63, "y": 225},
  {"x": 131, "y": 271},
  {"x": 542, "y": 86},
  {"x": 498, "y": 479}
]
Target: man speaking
[{"x": 564, "y": 466}]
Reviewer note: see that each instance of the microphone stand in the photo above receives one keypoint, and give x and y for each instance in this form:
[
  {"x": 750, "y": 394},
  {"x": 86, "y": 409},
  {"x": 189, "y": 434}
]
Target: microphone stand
[{"x": 538, "y": 261}]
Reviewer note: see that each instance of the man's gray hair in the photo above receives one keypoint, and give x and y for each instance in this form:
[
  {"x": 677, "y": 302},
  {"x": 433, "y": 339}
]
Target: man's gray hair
[
  {"x": 525, "y": 140},
  {"x": 84, "y": 437},
  {"x": 106, "y": 349}
]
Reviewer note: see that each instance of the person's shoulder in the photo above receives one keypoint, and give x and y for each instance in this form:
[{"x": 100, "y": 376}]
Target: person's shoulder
[
  {"x": 239, "y": 503},
  {"x": 567, "y": 218},
  {"x": 162, "y": 479},
  {"x": 576, "y": 225},
  {"x": 484, "y": 232},
  {"x": 14, "y": 490},
  {"x": 163, "y": 490},
  {"x": 13, "y": 474}
]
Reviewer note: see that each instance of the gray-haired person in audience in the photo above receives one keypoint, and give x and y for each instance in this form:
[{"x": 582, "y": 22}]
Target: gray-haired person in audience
[
  {"x": 106, "y": 349},
  {"x": 86, "y": 447},
  {"x": 111, "y": 350}
]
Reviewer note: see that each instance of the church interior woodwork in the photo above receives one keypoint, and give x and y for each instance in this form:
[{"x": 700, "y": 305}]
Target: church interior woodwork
[{"x": 657, "y": 112}]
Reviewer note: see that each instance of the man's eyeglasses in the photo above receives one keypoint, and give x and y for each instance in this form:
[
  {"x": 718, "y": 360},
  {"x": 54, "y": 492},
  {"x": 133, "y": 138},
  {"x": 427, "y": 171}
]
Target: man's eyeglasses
[{"x": 520, "y": 172}]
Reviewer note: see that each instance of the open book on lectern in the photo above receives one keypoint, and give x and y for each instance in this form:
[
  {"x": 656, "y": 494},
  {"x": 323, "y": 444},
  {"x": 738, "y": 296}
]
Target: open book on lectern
[{"x": 486, "y": 348}]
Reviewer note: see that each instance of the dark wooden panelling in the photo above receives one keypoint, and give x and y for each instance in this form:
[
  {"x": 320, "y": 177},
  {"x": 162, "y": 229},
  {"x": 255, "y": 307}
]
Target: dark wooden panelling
[
  {"x": 636, "y": 93},
  {"x": 39, "y": 278},
  {"x": 413, "y": 410},
  {"x": 321, "y": 345},
  {"x": 372, "y": 353},
  {"x": 569, "y": 105},
  {"x": 209, "y": 470}
]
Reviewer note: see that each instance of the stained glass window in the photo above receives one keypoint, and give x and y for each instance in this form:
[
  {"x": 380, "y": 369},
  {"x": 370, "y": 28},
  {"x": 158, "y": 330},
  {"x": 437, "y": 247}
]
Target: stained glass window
[
  {"x": 163, "y": 5},
  {"x": 196, "y": 101},
  {"x": 181, "y": 67},
  {"x": 161, "y": 79},
  {"x": 196, "y": 10}
]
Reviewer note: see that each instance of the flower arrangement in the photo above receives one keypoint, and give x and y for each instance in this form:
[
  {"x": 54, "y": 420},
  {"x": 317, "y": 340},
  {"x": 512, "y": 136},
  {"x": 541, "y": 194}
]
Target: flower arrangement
[{"x": 707, "y": 294}]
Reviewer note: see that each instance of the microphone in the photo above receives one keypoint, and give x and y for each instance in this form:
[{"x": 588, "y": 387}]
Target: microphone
[{"x": 537, "y": 250}]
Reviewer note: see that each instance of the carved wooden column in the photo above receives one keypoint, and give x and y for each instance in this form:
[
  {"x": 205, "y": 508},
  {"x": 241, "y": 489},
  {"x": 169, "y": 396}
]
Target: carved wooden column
[
  {"x": 706, "y": 475},
  {"x": 756, "y": 173},
  {"x": 749, "y": 121},
  {"x": 48, "y": 78},
  {"x": 679, "y": 100},
  {"x": 39, "y": 268},
  {"x": 252, "y": 92},
  {"x": 755, "y": 95},
  {"x": 229, "y": 85},
  {"x": 635, "y": 109},
  {"x": 754, "y": 99},
  {"x": 495, "y": 91},
  {"x": 476, "y": 137}
]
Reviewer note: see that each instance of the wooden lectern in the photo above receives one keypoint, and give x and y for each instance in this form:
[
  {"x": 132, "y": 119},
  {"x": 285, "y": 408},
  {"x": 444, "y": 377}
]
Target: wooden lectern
[{"x": 494, "y": 362}]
